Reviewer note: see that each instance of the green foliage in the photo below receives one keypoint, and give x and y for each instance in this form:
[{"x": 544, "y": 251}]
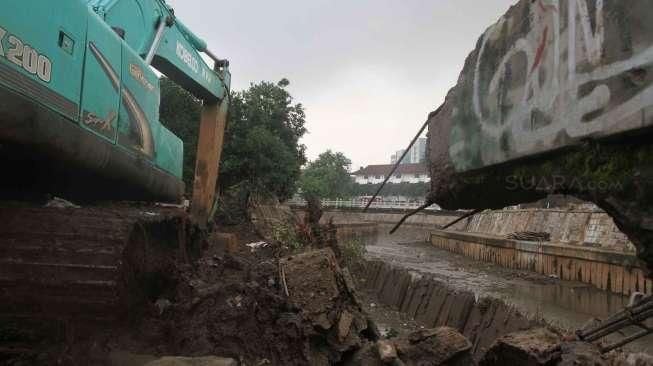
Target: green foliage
[
  {"x": 180, "y": 112},
  {"x": 261, "y": 151},
  {"x": 287, "y": 236},
  {"x": 262, "y": 146},
  {"x": 327, "y": 176},
  {"x": 353, "y": 251},
  {"x": 412, "y": 190}
]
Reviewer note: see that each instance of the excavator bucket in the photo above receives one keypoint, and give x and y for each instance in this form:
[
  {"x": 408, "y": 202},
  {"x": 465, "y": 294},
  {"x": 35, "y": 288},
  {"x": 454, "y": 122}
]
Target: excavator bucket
[{"x": 207, "y": 166}]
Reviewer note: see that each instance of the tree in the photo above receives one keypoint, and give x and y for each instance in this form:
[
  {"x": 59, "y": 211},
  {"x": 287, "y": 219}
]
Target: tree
[
  {"x": 180, "y": 112},
  {"x": 261, "y": 150},
  {"x": 328, "y": 176}
]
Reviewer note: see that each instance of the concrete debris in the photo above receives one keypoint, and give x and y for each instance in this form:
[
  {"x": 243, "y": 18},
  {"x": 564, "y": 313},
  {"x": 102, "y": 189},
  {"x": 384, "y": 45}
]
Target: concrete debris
[
  {"x": 635, "y": 359},
  {"x": 346, "y": 318},
  {"x": 387, "y": 351},
  {"x": 187, "y": 361},
  {"x": 580, "y": 353},
  {"x": 316, "y": 285},
  {"x": 257, "y": 245},
  {"x": 235, "y": 302},
  {"x": 536, "y": 347},
  {"x": 162, "y": 305},
  {"x": 312, "y": 281},
  {"x": 57, "y": 202},
  {"x": 441, "y": 346},
  {"x": 430, "y": 347}
]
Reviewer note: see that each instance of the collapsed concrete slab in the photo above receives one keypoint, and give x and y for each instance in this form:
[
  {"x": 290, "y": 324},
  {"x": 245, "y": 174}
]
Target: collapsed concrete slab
[
  {"x": 536, "y": 347},
  {"x": 428, "y": 347},
  {"x": 556, "y": 98}
]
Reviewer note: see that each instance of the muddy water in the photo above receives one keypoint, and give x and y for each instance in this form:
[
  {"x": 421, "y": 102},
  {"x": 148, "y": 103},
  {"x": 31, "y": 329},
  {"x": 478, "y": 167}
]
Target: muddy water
[{"x": 568, "y": 305}]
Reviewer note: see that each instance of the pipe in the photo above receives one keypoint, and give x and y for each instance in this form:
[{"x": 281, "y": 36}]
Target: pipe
[
  {"x": 394, "y": 169},
  {"x": 469, "y": 214},
  {"x": 157, "y": 41},
  {"x": 412, "y": 213}
]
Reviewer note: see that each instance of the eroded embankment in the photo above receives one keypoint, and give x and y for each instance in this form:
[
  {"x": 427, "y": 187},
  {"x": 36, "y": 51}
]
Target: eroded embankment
[{"x": 433, "y": 303}]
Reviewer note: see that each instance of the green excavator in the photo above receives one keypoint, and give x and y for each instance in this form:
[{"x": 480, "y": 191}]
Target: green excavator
[{"x": 79, "y": 120}]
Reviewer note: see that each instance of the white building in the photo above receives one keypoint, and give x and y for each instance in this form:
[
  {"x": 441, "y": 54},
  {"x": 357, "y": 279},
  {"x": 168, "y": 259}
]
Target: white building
[{"x": 406, "y": 173}]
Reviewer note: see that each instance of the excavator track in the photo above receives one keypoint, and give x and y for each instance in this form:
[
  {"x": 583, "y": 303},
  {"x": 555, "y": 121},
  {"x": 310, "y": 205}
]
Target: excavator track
[{"x": 73, "y": 265}]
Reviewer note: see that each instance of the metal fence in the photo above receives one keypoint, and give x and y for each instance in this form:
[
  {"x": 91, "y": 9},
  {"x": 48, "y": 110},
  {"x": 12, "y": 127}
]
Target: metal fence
[{"x": 360, "y": 204}]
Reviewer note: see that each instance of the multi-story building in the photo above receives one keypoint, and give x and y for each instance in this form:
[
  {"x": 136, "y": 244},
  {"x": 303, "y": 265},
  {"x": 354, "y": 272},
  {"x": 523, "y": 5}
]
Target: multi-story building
[
  {"x": 416, "y": 154},
  {"x": 406, "y": 173},
  {"x": 396, "y": 156}
]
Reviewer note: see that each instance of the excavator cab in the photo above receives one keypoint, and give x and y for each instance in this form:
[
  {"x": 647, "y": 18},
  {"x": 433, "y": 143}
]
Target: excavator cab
[{"x": 79, "y": 116}]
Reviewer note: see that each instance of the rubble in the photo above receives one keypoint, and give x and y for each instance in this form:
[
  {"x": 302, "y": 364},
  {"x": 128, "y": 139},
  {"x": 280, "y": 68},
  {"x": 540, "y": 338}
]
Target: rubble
[
  {"x": 635, "y": 359},
  {"x": 317, "y": 286},
  {"x": 187, "y": 361},
  {"x": 580, "y": 353},
  {"x": 387, "y": 351},
  {"x": 441, "y": 346},
  {"x": 536, "y": 347},
  {"x": 429, "y": 347},
  {"x": 276, "y": 306}
]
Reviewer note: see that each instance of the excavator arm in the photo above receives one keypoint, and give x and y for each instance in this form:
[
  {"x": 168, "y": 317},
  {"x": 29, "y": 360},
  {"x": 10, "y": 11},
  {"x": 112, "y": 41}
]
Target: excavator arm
[{"x": 151, "y": 28}]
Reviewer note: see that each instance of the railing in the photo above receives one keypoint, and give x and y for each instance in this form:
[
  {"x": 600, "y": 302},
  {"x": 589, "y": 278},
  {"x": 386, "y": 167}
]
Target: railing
[{"x": 358, "y": 204}]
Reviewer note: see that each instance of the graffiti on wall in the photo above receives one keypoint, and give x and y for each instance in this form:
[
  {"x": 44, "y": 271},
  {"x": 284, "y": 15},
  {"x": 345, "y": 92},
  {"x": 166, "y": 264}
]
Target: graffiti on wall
[{"x": 551, "y": 73}]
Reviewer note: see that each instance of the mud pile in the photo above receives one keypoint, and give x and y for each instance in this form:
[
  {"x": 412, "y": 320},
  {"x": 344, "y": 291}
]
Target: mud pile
[
  {"x": 259, "y": 303},
  {"x": 296, "y": 311}
]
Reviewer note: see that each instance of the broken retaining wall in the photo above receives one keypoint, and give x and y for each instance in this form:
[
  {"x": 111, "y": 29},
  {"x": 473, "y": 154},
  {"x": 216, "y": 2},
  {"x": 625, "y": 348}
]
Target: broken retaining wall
[
  {"x": 557, "y": 97},
  {"x": 434, "y": 304},
  {"x": 590, "y": 228},
  {"x": 587, "y": 228},
  {"x": 425, "y": 219}
]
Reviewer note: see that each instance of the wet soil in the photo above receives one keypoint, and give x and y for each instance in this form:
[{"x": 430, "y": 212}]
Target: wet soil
[
  {"x": 268, "y": 306},
  {"x": 563, "y": 304},
  {"x": 391, "y": 323}
]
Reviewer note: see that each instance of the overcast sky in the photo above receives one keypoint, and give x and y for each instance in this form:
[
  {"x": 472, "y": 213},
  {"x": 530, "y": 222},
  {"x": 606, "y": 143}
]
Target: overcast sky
[{"x": 367, "y": 71}]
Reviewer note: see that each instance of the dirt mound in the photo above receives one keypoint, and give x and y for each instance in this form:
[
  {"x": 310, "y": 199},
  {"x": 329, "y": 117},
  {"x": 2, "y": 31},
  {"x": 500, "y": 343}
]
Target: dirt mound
[{"x": 296, "y": 311}]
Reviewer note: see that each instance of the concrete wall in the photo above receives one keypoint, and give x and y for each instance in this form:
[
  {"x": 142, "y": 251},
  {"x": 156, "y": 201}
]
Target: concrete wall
[
  {"x": 549, "y": 74},
  {"x": 567, "y": 227},
  {"x": 556, "y": 97},
  {"x": 388, "y": 218},
  {"x": 617, "y": 272},
  {"x": 365, "y": 232},
  {"x": 585, "y": 245},
  {"x": 584, "y": 228},
  {"x": 434, "y": 304}
]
